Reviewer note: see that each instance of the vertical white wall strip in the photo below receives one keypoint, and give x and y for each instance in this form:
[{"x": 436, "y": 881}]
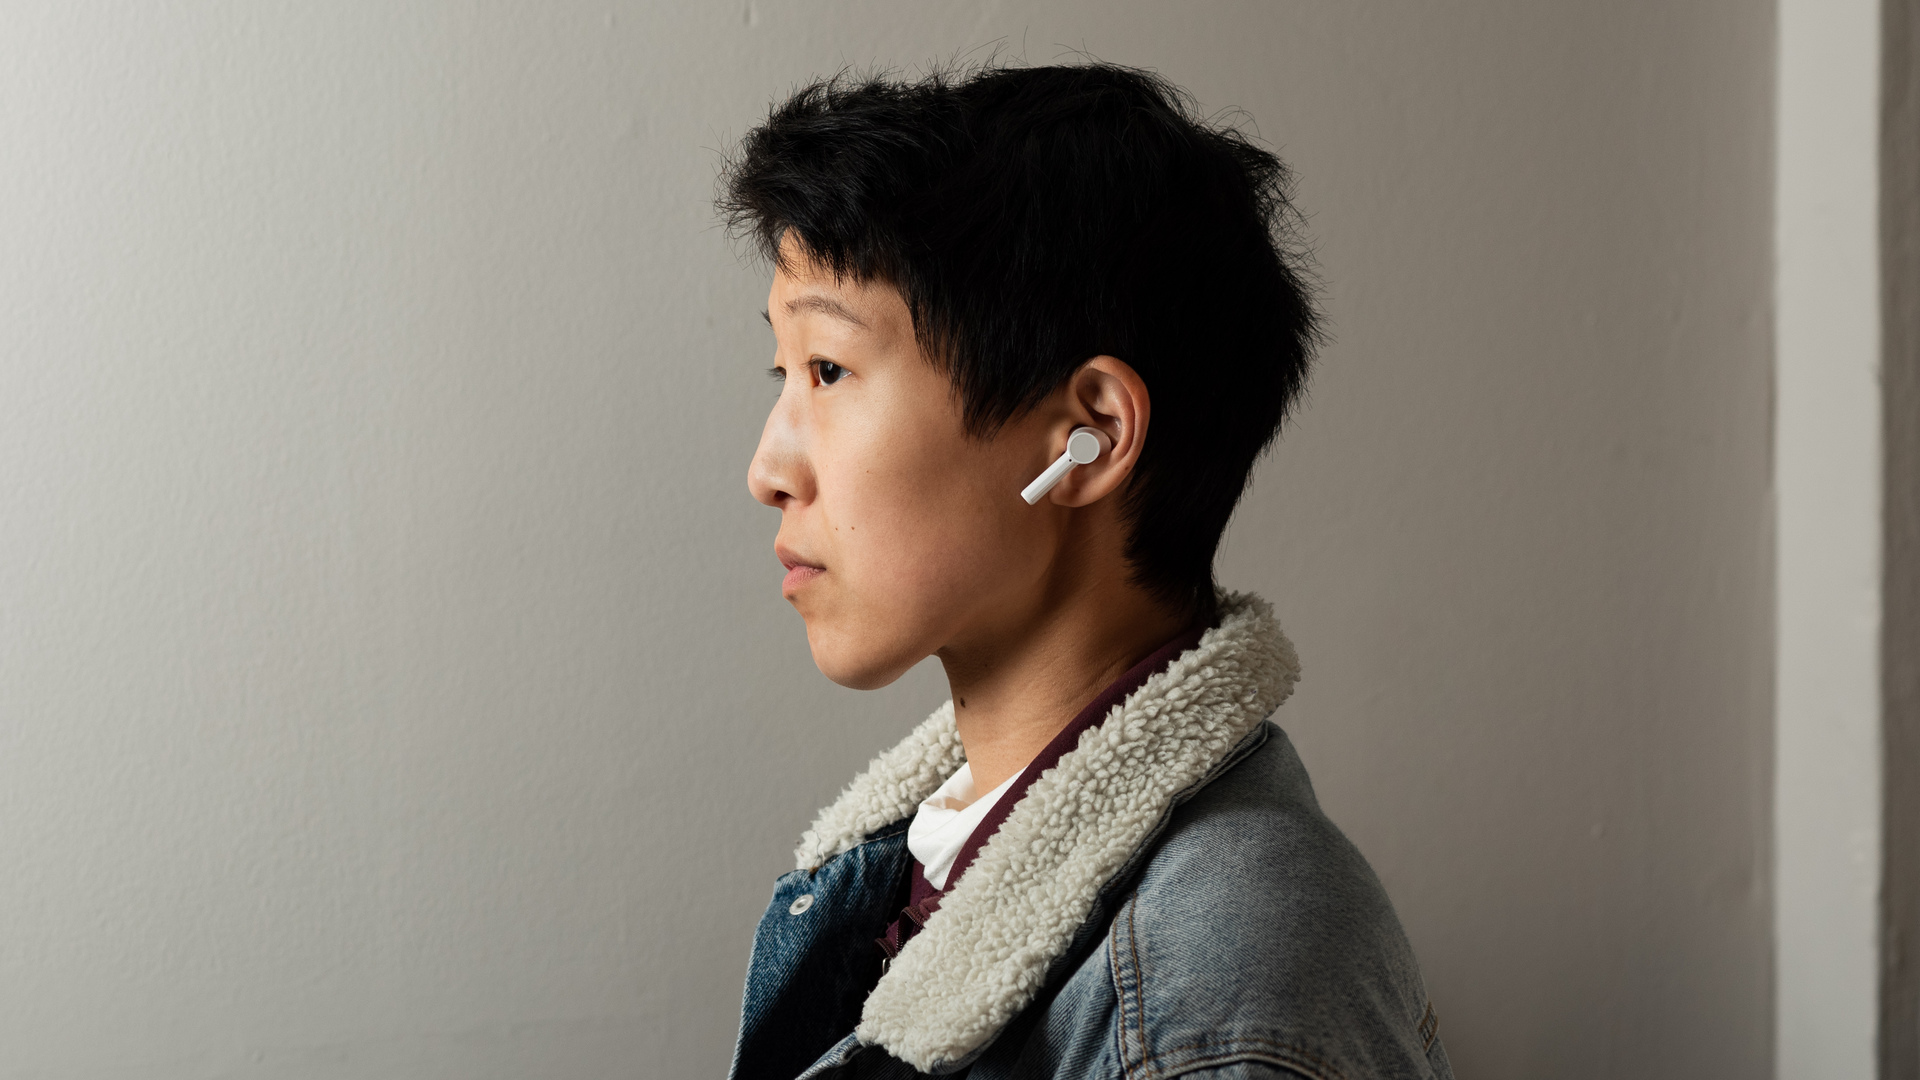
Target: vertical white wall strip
[{"x": 1827, "y": 794}]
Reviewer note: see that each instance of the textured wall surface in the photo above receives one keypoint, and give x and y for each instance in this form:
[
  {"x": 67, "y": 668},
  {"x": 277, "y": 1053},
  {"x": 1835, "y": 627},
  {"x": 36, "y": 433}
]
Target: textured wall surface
[{"x": 393, "y": 676}]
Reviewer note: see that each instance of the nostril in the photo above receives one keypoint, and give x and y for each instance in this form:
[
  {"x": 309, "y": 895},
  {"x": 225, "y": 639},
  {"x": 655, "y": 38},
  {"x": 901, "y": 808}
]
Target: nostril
[{"x": 777, "y": 476}]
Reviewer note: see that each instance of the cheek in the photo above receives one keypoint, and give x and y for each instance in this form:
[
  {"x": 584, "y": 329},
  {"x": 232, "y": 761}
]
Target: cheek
[{"x": 924, "y": 537}]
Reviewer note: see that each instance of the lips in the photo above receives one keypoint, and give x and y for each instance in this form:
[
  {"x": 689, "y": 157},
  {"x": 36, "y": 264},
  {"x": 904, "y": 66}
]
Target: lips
[
  {"x": 798, "y": 576},
  {"x": 799, "y": 570}
]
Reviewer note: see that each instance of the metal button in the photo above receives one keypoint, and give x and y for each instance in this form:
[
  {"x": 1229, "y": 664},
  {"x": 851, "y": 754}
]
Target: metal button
[{"x": 800, "y": 906}]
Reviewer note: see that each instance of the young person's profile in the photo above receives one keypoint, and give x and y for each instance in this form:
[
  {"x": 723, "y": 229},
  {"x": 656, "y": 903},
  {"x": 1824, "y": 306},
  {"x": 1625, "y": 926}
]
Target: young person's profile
[{"x": 1101, "y": 857}]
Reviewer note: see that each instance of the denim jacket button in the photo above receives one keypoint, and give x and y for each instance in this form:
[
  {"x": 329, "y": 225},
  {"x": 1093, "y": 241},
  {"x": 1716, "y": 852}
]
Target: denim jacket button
[{"x": 800, "y": 906}]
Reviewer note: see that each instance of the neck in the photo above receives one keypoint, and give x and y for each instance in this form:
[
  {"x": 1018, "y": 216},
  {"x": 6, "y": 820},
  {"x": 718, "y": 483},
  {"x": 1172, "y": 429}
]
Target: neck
[{"x": 1015, "y": 687}]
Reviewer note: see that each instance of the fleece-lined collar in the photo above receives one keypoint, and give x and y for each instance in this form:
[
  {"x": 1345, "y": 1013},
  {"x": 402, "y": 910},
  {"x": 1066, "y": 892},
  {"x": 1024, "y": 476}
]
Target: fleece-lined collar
[{"x": 984, "y": 955}]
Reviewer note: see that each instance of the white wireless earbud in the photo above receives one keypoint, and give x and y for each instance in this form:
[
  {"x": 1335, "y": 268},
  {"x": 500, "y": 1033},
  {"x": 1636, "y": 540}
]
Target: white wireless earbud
[{"x": 1082, "y": 447}]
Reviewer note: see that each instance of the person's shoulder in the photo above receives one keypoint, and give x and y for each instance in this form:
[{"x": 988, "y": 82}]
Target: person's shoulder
[
  {"x": 1256, "y": 832},
  {"x": 1256, "y": 923}
]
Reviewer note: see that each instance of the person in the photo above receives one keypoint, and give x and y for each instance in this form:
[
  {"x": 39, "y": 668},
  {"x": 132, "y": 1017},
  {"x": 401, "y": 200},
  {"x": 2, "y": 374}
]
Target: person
[{"x": 1101, "y": 858}]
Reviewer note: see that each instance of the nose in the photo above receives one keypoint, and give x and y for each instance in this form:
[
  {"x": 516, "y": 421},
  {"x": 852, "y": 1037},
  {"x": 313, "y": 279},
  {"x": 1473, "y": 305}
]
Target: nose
[{"x": 779, "y": 474}]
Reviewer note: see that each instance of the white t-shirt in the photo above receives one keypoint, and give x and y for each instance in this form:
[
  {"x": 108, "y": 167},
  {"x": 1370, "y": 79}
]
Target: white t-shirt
[{"x": 944, "y": 821}]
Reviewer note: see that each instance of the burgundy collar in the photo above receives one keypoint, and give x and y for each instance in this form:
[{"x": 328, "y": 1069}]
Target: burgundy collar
[{"x": 923, "y": 899}]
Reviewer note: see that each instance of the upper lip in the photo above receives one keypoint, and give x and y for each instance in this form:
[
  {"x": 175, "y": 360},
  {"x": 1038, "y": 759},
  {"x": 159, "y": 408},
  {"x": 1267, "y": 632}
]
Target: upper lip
[{"x": 790, "y": 559}]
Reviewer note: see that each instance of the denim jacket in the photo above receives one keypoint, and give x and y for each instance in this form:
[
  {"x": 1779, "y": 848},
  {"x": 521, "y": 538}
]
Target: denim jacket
[{"x": 1166, "y": 901}]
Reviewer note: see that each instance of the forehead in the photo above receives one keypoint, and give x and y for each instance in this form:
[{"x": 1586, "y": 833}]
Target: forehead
[{"x": 805, "y": 290}]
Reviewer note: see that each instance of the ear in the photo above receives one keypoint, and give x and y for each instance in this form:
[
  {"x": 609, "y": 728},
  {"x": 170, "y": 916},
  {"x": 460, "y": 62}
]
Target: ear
[{"x": 1105, "y": 394}]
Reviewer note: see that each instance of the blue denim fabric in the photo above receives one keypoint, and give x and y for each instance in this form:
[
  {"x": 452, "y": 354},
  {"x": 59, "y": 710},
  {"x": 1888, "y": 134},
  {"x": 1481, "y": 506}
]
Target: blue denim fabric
[
  {"x": 1247, "y": 938},
  {"x": 814, "y": 958}
]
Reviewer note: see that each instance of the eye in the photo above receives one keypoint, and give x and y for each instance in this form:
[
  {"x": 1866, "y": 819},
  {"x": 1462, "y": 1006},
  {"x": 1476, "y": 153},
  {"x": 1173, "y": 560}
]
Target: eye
[{"x": 827, "y": 372}]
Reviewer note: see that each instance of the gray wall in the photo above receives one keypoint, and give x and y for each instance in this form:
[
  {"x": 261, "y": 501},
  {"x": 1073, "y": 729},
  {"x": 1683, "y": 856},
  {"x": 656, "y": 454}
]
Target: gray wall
[
  {"x": 393, "y": 676},
  {"x": 1899, "y": 212}
]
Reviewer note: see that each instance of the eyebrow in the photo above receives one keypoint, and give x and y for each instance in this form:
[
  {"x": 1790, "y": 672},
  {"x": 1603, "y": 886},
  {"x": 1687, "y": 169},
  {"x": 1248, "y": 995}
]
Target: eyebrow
[{"x": 825, "y": 305}]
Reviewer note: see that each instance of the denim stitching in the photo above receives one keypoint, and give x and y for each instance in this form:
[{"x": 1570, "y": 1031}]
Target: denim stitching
[
  {"x": 1123, "y": 977},
  {"x": 1119, "y": 992},
  {"x": 1429, "y": 1027},
  {"x": 884, "y": 832},
  {"x": 1139, "y": 979},
  {"x": 1287, "y": 1057},
  {"x": 1228, "y": 1050}
]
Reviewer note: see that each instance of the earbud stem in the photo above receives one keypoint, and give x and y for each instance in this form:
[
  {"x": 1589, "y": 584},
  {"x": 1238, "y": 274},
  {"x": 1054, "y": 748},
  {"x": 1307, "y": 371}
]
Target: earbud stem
[{"x": 1044, "y": 482}]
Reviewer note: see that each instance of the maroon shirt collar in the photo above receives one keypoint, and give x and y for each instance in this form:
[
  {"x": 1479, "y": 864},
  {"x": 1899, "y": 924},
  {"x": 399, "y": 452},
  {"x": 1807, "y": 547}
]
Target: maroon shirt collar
[{"x": 924, "y": 899}]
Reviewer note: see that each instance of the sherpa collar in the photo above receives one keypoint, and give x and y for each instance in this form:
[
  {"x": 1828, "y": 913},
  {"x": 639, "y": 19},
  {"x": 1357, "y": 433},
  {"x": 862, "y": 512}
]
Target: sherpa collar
[{"x": 984, "y": 954}]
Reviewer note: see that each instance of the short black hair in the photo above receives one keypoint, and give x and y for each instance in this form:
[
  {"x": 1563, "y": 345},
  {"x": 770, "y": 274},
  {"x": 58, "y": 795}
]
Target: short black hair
[{"x": 1036, "y": 217}]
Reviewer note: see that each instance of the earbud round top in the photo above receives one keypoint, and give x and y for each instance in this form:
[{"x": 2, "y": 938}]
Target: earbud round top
[{"x": 1083, "y": 446}]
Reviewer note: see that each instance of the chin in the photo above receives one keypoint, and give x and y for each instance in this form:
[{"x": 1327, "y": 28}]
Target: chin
[{"x": 854, "y": 663}]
